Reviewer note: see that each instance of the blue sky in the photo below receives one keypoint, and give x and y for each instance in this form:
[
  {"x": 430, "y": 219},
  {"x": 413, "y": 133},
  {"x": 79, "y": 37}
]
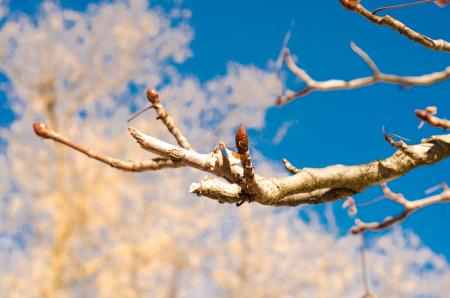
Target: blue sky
[{"x": 332, "y": 127}]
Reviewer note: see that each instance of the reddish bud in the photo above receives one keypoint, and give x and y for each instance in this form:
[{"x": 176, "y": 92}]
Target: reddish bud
[
  {"x": 349, "y": 4},
  {"x": 41, "y": 130},
  {"x": 153, "y": 96},
  {"x": 241, "y": 139}
]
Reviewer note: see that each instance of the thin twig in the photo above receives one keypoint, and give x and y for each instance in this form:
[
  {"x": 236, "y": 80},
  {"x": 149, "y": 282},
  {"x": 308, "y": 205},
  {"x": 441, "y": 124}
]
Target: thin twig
[
  {"x": 290, "y": 167},
  {"x": 45, "y": 132},
  {"x": 377, "y": 77},
  {"x": 435, "y": 44},
  {"x": 401, "y": 5},
  {"x": 428, "y": 116},
  {"x": 154, "y": 99},
  {"x": 280, "y": 58},
  {"x": 400, "y": 144},
  {"x": 408, "y": 208}
]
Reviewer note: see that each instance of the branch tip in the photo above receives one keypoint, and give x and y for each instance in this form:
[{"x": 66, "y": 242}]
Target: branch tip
[
  {"x": 241, "y": 139},
  {"x": 153, "y": 96},
  {"x": 41, "y": 130},
  {"x": 349, "y": 4}
]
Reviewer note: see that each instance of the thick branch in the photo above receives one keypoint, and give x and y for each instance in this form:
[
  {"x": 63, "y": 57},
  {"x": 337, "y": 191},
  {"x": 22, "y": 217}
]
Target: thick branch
[
  {"x": 213, "y": 162},
  {"x": 311, "y": 186},
  {"x": 322, "y": 185},
  {"x": 435, "y": 44},
  {"x": 134, "y": 166},
  {"x": 177, "y": 154},
  {"x": 377, "y": 77},
  {"x": 408, "y": 208},
  {"x": 319, "y": 196}
]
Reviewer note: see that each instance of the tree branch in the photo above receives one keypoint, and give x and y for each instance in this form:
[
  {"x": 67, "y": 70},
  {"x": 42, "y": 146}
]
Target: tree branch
[
  {"x": 408, "y": 208},
  {"x": 311, "y": 186},
  {"x": 290, "y": 167},
  {"x": 377, "y": 77},
  {"x": 154, "y": 99},
  {"x": 427, "y": 116},
  {"x": 435, "y": 44},
  {"x": 214, "y": 162},
  {"x": 133, "y": 166}
]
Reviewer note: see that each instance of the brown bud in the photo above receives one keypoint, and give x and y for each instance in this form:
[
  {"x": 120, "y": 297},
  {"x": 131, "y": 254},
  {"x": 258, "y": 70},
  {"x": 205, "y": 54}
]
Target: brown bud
[
  {"x": 349, "y": 4},
  {"x": 41, "y": 130},
  {"x": 153, "y": 96},
  {"x": 241, "y": 139}
]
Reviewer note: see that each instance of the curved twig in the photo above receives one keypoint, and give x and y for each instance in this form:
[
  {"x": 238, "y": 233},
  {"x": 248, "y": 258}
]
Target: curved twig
[
  {"x": 408, "y": 208},
  {"x": 45, "y": 132},
  {"x": 435, "y": 44},
  {"x": 428, "y": 116},
  {"x": 377, "y": 77},
  {"x": 311, "y": 186}
]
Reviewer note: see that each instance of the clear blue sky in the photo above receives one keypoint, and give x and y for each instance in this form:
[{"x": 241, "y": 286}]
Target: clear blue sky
[{"x": 333, "y": 127}]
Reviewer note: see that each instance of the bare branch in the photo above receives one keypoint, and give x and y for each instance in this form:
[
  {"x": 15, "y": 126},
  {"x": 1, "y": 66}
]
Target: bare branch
[
  {"x": 134, "y": 166},
  {"x": 427, "y": 116},
  {"x": 401, "y": 5},
  {"x": 314, "y": 186},
  {"x": 213, "y": 163},
  {"x": 366, "y": 58},
  {"x": 190, "y": 158},
  {"x": 154, "y": 99},
  {"x": 290, "y": 167},
  {"x": 435, "y": 44},
  {"x": 319, "y": 196},
  {"x": 409, "y": 207},
  {"x": 377, "y": 77},
  {"x": 307, "y": 186},
  {"x": 400, "y": 144}
]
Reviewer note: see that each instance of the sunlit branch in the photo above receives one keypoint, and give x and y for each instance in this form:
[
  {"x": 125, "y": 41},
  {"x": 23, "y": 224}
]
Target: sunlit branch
[
  {"x": 428, "y": 116},
  {"x": 408, "y": 208},
  {"x": 154, "y": 99},
  {"x": 400, "y": 144},
  {"x": 435, "y": 44},
  {"x": 290, "y": 167},
  {"x": 377, "y": 77},
  {"x": 134, "y": 166},
  {"x": 309, "y": 185}
]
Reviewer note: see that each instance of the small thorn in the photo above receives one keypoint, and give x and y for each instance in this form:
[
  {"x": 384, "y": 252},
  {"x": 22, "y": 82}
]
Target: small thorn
[{"x": 140, "y": 112}]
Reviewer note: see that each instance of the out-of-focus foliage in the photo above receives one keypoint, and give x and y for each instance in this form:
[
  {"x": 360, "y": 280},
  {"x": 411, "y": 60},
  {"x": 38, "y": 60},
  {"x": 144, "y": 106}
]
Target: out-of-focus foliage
[{"x": 70, "y": 226}]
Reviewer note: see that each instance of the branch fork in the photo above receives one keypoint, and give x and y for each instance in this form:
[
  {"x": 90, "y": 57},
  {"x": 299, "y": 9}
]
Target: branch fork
[
  {"x": 376, "y": 77},
  {"x": 408, "y": 208},
  {"x": 396, "y": 25},
  {"x": 237, "y": 182}
]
